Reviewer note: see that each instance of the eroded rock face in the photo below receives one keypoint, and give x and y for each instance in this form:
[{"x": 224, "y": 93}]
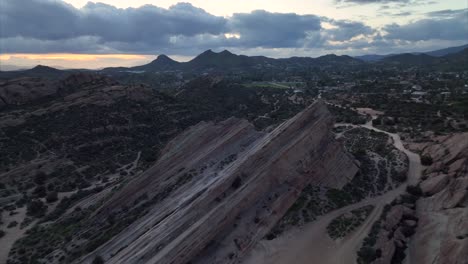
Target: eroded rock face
[
  {"x": 434, "y": 184},
  {"x": 220, "y": 187},
  {"x": 442, "y": 233}
]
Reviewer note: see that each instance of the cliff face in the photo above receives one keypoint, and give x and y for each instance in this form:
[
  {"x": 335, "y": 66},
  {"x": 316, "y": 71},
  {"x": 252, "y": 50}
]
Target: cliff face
[
  {"x": 442, "y": 232},
  {"x": 219, "y": 188}
]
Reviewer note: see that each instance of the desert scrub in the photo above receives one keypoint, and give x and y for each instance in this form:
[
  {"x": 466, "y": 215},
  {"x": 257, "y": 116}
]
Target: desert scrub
[{"x": 346, "y": 223}]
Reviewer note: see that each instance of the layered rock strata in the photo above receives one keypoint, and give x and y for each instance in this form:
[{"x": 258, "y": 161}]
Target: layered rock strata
[{"x": 218, "y": 188}]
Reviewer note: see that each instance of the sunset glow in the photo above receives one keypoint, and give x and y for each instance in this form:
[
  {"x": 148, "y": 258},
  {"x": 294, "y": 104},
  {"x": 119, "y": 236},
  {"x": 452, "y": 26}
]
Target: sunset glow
[
  {"x": 72, "y": 60},
  {"x": 72, "y": 57}
]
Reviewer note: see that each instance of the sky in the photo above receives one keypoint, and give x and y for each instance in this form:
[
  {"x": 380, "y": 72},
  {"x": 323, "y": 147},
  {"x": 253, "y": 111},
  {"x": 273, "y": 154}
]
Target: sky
[{"x": 82, "y": 34}]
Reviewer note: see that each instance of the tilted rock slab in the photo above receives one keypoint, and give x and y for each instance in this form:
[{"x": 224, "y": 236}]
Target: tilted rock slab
[{"x": 218, "y": 188}]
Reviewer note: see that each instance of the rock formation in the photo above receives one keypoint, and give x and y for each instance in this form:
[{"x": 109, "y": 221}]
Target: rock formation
[
  {"x": 442, "y": 232},
  {"x": 220, "y": 187}
]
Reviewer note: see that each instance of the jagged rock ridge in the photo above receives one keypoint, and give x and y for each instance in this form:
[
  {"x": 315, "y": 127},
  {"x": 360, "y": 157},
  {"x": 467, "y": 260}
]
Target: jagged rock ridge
[{"x": 220, "y": 187}]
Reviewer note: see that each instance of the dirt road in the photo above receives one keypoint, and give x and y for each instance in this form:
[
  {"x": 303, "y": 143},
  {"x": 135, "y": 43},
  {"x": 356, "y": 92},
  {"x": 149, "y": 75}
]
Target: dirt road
[{"x": 311, "y": 243}]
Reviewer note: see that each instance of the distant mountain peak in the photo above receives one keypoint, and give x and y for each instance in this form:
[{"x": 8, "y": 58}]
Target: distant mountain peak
[
  {"x": 42, "y": 67},
  {"x": 163, "y": 57},
  {"x": 207, "y": 52},
  {"x": 226, "y": 52}
]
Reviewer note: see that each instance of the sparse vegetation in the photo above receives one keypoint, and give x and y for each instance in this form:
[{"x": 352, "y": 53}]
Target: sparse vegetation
[
  {"x": 36, "y": 208},
  {"x": 346, "y": 223}
]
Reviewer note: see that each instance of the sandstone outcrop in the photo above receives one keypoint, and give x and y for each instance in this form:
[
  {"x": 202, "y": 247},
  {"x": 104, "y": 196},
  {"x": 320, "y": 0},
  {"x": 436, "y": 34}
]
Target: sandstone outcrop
[
  {"x": 218, "y": 188},
  {"x": 442, "y": 232}
]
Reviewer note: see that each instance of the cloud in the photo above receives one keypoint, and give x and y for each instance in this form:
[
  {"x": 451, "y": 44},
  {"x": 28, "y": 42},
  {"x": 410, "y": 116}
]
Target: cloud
[
  {"x": 276, "y": 30},
  {"x": 47, "y": 19},
  {"x": 345, "y": 30},
  {"x": 387, "y": 4},
  {"x": 183, "y": 29},
  {"x": 372, "y": 1},
  {"x": 446, "y": 13},
  {"x": 450, "y": 28}
]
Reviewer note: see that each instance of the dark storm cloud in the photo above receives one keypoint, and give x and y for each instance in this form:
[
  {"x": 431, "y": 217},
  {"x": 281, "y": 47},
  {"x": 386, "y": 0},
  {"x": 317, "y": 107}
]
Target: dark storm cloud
[
  {"x": 451, "y": 28},
  {"x": 41, "y": 26},
  {"x": 50, "y": 19},
  {"x": 147, "y": 23},
  {"x": 262, "y": 28},
  {"x": 144, "y": 29},
  {"x": 46, "y": 19}
]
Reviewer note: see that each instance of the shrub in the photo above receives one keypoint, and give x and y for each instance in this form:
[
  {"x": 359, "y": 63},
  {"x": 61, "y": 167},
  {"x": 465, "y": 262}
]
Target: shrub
[
  {"x": 426, "y": 160},
  {"x": 12, "y": 224},
  {"x": 40, "y": 178},
  {"x": 36, "y": 208},
  {"x": 52, "y": 197},
  {"x": 2, "y": 233},
  {"x": 40, "y": 191},
  {"x": 368, "y": 254}
]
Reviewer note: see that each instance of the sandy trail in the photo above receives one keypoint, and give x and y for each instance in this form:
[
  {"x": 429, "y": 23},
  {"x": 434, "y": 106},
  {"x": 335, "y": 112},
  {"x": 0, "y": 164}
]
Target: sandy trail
[
  {"x": 311, "y": 243},
  {"x": 11, "y": 234}
]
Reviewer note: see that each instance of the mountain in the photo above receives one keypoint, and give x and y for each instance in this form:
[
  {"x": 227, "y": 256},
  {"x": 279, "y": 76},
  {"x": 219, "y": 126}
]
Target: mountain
[
  {"x": 221, "y": 60},
  {"x": 332, "y": 59},
  {"x": 226, "y": 61},
  {"x": 232, "y": 184},
  {"x": 38, "y": 71},
  {"x": 447, "y": 51},
  {"x": 372, "y": 57},
  {"x": 434, "y": 53},
  {"x": 161, "y": 63},
  {"x": 454, "y": 62},
  {"x": 410, "y": 59},
  {"x": 91, "y": 133}
]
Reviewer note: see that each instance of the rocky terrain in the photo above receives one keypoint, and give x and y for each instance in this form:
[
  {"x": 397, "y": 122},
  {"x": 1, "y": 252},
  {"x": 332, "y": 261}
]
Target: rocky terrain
[
  {"x": 231, "y": 159},
  {"x": 442, "y": 232},
  {"x": 69, "y": 144},
  {"x": 226, "y": 187}
]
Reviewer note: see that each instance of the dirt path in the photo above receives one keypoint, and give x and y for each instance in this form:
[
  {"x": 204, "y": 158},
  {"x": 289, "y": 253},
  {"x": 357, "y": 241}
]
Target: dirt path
[
  {"x": 311, "y": 243},
  {"x": 13, "y": 233}
]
